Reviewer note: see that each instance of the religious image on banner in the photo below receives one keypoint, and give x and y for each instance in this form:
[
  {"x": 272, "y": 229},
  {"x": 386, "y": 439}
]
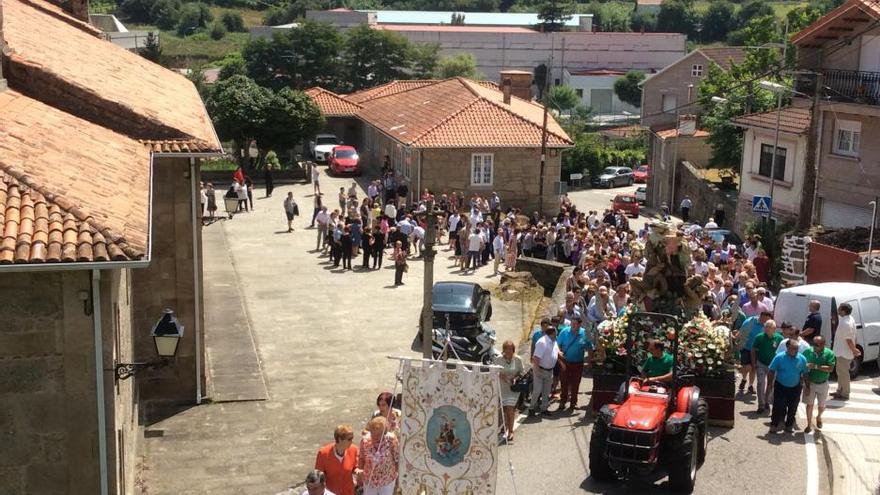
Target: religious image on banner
[{"x": 449, "y": 432}]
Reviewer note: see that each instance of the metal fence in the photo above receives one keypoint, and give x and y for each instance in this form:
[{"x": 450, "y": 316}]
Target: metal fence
[{"x": 863, "y": 87}]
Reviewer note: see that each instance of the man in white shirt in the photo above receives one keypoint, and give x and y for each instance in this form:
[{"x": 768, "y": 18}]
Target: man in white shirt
[
  {"x": 636, "y": 268},
  {"x": 418, "y": 239},
  {"x": 711, "y": 224},
  {"x": 845, "y": 349},
  {"x": 498, "y": 248},
  {"x": 765, "y": 298},
  {"x": 544, "y": 360},
  {"x": 791, "y": 333},
  {"x": 316, "y": 483},
  {"x": 391, "y": 213},
  {"x": 323, "y": 220},
  {"x": 686, "y": 205},
  {"x": 475, "y": 245}
]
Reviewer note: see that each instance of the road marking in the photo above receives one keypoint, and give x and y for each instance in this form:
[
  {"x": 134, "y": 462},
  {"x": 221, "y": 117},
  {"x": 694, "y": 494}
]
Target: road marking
[
  {"x": 812, "y": 465},
  {"x": 851, "y": 429},
  {"x": 518, "y": 421},
  {"x": 863, "y": 386},
  {"x": 835, "y": 404},
  {"x": 852, "y": 416}
]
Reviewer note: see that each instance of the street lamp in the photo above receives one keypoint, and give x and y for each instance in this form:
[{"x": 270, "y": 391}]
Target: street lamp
[
  {"x": 718, "y": 99},
  {"x": 166, "y": 337}
]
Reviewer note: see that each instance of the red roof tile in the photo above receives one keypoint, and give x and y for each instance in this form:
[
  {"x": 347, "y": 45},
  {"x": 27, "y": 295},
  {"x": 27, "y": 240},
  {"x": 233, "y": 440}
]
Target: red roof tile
[
  {"x": 54, "y": 58},
  {"x": 456, "y": 113},
  {"x": 852, "y": 9},
  {"x": 80, "y": 189},
  {"x": 387, "y": 89},
  {"x": 331, "y": 104},
  {"x": 792, "y": 120},
  {"x": 725, "y": 56}
]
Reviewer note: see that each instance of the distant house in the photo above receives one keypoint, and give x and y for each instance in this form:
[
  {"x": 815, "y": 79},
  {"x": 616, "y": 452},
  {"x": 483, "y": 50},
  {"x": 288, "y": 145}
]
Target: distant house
[
  {"x": 99, "y": 233},
  {"x": 595, "y": 88},
  {"x": 457, "y": 135},
  {"x": 648, "y": 5},
  {"x": 118, "y": 34}
]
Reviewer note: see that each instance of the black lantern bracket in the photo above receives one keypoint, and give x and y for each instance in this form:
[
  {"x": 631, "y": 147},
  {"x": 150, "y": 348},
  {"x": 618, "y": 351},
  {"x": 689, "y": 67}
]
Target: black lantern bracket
[{"x": 125, "y": 371}]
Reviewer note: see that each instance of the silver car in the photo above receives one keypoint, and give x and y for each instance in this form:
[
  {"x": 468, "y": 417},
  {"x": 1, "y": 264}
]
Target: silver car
[{"x": 613, "y": 177}]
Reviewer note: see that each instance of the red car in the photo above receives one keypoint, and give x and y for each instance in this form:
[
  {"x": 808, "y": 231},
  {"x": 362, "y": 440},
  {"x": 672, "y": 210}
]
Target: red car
[
  {"x": 344, "y": 160},
  {"x": 641, "y": 173},
  {"x": 626, "y": 203}
]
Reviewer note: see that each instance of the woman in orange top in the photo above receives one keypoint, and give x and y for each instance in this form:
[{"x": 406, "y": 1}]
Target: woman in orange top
[{"x": 338, "y": 461}]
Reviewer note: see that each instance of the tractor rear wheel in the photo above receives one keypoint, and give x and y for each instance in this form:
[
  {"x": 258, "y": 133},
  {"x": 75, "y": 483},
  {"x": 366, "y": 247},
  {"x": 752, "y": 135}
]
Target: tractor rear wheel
[
  {"x": 599, "y": 468},
  {"x": 702, "y": 430},
  {"x": 683, "y": 468}
]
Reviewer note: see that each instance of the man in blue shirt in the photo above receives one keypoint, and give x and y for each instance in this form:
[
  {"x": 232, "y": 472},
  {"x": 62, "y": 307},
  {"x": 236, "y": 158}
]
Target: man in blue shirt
[
  {"x": 751, "y": 328},
  {"x": 813, "y": 326},
  {"x": 787, "y": 371},
  {"x": 574, "y": 347}
]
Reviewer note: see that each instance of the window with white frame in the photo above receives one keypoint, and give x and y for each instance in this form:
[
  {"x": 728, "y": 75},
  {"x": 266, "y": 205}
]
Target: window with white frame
[
  {"x": 847, "y": 137},
  {"x": 697, "y": 70},
  {"x": 481, "y": 169}
]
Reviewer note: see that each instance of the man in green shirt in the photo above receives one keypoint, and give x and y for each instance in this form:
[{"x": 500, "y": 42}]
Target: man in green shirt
[
  {"x": 763, "y": 352},
  {"x": 820, "y": 362},
  {"x": 658, "y": 366}
]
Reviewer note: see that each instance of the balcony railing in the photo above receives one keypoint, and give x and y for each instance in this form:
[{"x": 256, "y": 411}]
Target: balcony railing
[{"x": 852, "y": 86}]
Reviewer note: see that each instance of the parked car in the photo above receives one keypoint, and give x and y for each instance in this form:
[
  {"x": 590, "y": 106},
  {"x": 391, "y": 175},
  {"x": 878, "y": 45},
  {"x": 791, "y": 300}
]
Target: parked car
[
  {"x": 466, "y": 304},
  {"x": 791, "y": 305},
  {"x": 641, "y": 173},
  {"x": 642, "y": 194},
  {"x": 613, "y": 177},
  {"x": 321, "y": 147},
  {"x": 344, "y": 160},
  {"x": 626, "y": 203}
]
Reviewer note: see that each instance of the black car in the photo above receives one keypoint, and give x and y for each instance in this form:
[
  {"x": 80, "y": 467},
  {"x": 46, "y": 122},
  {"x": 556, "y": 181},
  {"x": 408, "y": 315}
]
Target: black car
[{"x": 467, "y": 305}]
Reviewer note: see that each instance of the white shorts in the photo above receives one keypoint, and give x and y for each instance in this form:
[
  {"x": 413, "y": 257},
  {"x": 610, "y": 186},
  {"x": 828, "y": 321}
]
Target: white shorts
[{"x": 817, "y": 391}]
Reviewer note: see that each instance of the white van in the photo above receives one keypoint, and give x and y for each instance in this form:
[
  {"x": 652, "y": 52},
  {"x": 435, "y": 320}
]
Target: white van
[{"x": 791, "y": 305}]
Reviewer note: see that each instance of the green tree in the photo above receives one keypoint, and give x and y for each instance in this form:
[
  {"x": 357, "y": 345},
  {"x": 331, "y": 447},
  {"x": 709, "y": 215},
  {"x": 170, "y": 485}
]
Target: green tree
[
  {"x": 237, "y": 107},
  {"x": 165, "y": 13},
  {"x": 643, "y": 21},
  {"x": 677, "y": 16},
  {"x": 193, "y": 16},
  {"x": 540, "y": 77},
  {"x": 718, "y": 20},
  {"x": 553, "y": 14},
  {"x": 423, "y": 59},
  {"x": 288, "y": 119},
  {"x": 801, "y": 17},
  {"x": 136, "y": 11},
  {"x": 460, "y": 65},
  {"x": 233, "y": 22},
  {"x": 218, "y": 31},
  {"x": 627, "y": 88},
  {"x": 304, "y": 56},
  {"x": 753, "y": 9},
  {"x": 374, "y": 57},
  {"x": 457, "y": 19},
  {"x": 151, "y": 49},
  {"x": 232, "y": 64},
  {"x": 615, "y": 17},
  {"x": 563, "y": 98},
  {"x": 290, "y": 11}
]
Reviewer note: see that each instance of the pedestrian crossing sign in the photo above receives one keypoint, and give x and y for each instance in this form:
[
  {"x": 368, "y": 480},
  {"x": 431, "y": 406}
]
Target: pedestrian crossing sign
[{"x": 762, "y": 205}]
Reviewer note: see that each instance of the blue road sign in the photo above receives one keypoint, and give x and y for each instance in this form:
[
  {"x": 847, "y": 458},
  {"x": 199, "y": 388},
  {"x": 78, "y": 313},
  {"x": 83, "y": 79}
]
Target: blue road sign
[{"x": 762, "y": 205}]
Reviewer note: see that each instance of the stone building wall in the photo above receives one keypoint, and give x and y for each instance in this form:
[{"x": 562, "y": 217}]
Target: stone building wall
[
  {"x": 48, "y": 412},
  {"x": 168, "y": 282},
  {"x": 704, "y": 195}
]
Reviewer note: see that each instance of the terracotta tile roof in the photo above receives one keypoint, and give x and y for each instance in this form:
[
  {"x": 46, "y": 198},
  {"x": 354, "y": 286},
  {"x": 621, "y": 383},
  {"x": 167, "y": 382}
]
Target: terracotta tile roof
[
  {"x": 725, "y": 56},
  {"x": 792, "y": 120},
  {"x": 177, "y": 146},
  {"x": 63, "y": 64},
  {"x": 65, "y": 180},
  {"x": 671, "y": 133},
  {"x": 456, "y": 113},
  {"x": 845, "y": 14},
  {"x": 597, "y": 72},
  {"x": 331, "y": 104},
  {"x": 387, "y": 89}
]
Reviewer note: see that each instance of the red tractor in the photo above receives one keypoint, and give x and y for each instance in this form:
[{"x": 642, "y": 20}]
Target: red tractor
[{"x": 651, "y": 425}]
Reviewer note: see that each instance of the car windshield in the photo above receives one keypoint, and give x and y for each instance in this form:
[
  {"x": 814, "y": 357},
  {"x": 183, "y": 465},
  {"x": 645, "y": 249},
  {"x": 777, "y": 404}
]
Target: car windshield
[
  {"x": 452, "y": 297},
  {"x": 610, "y": 170},
  {"x": 625, "y": 199},
  {"x": 326, "y": 140},
  {"x": 346, "y": 154},
  {"x": 643, "y": 168}
]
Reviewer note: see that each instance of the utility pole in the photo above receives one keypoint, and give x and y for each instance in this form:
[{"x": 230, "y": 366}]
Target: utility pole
[
  {"x": 778, "y": 115},
  {"x": 547, "y": 75},
  {"x": 428, "y": 288},
  {"x": 811, "y": 172}
]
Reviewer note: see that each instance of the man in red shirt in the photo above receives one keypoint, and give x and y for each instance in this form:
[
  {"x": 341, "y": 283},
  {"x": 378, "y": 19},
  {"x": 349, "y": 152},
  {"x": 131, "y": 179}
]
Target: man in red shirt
[{"x": 338, "y": 461}]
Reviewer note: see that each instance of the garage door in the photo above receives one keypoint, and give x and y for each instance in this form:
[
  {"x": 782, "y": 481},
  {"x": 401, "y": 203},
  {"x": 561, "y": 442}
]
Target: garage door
[
  {"x": 600, "y": 100},
  {"x": 835, "y": 214}
]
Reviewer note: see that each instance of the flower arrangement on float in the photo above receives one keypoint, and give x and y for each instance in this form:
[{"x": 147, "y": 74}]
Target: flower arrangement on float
[{"x": 704, "y": 349}]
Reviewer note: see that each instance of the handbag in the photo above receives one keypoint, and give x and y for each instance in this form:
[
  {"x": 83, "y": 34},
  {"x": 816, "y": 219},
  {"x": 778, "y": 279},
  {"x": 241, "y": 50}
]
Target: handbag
[{"x": 522, "y": 383}]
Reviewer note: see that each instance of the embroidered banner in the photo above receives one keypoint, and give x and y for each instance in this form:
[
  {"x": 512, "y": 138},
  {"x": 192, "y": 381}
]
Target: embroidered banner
[{"x": 449, "y": 435}]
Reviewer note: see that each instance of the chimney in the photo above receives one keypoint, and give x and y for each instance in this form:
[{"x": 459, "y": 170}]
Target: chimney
[
  {"x": 505, "y": 88},
  {"x": 76, "y": 8},
  {"x": 2, "y": 50},
  {"x": 687, "y": 125},
  {"x": 520, "y": 83}
]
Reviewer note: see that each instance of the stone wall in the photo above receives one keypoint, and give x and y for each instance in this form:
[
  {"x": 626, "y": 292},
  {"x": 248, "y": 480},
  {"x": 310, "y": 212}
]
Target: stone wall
[
  {"x": 704, "y": 195},
  {"x": 168, "y": 282},
  {"x": 664, "y": 153},
  {"x": 546, "y": 273}
]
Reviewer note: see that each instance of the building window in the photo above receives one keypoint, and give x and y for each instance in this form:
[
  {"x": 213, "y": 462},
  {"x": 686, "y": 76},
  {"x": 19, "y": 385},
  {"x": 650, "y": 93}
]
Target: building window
[
  {"x": 669, "y": 103},
  {"x": 579, "y": 92},
  {"x": 767, "y": 162},
  {"x": 481, "y": 169},
  {"x": 847, "y": 135},
  {"x": 697, "y": 70}
]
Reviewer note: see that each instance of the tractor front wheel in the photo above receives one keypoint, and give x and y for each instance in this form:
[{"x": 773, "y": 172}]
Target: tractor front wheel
[
  {"x": 683, "y": 468},
  {"x": 702, "y": 430},
  {"x": 599, "y": 468}
]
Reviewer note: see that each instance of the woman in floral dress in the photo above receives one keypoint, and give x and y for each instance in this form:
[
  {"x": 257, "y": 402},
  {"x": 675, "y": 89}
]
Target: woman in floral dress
[
  {"x": 512, "y": 248},
  {"x": 378, "y": 458}
]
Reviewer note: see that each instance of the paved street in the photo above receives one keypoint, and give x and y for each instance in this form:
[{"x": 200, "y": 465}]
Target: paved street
[{"x": 312, "y": 341}]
